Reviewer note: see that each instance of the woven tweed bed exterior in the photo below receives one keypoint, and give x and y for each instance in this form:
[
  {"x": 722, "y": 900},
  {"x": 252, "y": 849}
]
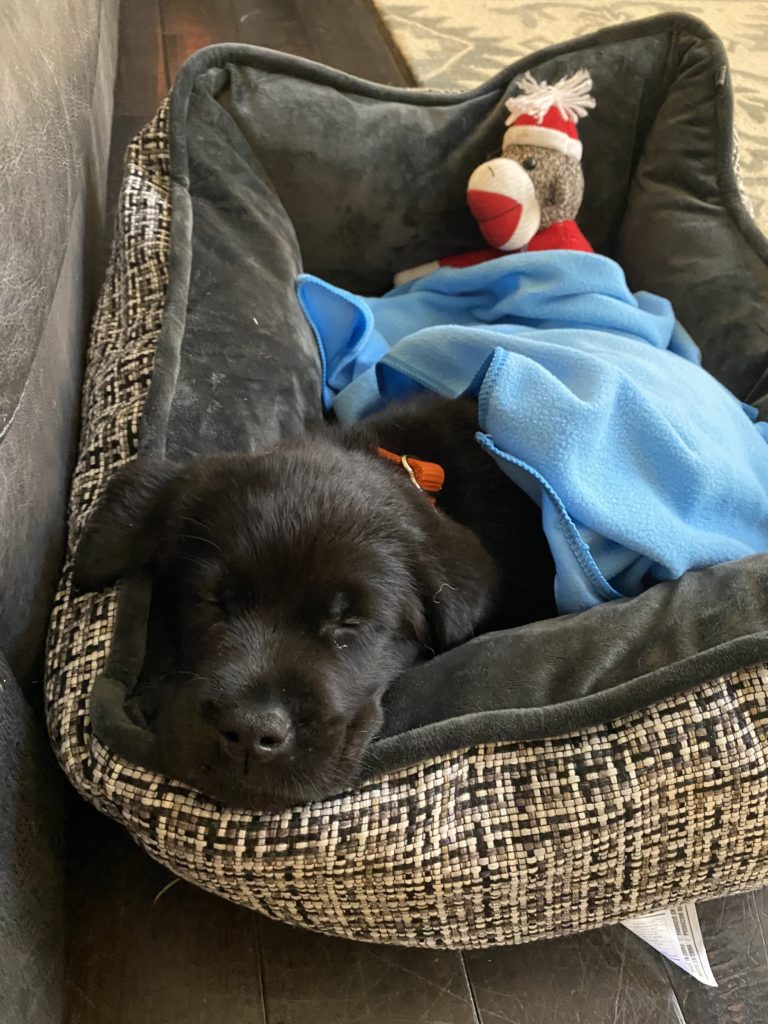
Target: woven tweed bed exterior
[{"x": 501, "y": 843}]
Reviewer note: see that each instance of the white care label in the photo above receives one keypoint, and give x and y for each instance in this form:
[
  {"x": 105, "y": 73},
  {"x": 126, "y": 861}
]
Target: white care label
[{"x": 676, "y": 934}]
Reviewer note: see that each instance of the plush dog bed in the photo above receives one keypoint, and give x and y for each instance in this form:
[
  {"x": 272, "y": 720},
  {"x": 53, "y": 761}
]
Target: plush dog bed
[{"x": 549, "y": 779}]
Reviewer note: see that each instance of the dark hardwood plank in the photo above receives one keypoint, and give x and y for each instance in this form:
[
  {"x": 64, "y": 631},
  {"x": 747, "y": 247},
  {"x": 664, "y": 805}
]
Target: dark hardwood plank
[
  {"x": 141, "y": 953},
  {"x": 314, "y": 979},
  {"x": 735, "y": 933},
  {"x": 603, "y": 977},
  {"x": 346, "y": 34},
  {"x": 189, "y": 25},
  {"x": 360, "y": 44},
  {"x": 142, "y": 77},
  {"x": 275, "y": 25},
  {"x": 212, "y": 19}
]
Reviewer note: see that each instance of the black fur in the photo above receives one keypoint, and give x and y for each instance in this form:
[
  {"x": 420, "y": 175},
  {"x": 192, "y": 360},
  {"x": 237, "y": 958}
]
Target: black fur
[{"x": 299, "y": 583}]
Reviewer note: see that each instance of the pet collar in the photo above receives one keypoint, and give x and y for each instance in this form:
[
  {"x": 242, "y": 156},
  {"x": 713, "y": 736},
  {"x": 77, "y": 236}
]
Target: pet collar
[{"x": 427, "y": 476}]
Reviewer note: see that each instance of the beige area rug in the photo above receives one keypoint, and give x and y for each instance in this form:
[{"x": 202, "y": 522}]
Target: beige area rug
[{"x": 458, "y": 44}]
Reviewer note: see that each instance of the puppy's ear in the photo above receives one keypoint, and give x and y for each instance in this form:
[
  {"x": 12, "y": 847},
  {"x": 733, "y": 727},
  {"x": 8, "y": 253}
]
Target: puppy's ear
[
  {"x": 127, "y": 528},
  {"x": 459, "y": 583}
]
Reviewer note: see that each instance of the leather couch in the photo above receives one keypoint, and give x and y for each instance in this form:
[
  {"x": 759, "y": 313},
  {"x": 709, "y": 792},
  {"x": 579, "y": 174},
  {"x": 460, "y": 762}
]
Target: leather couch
[{"x": 57, "y": 70}]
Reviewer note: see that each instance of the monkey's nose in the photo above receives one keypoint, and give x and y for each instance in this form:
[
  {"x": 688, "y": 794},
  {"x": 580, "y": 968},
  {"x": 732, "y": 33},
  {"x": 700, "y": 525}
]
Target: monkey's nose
[{"x": 502, "y": 197}]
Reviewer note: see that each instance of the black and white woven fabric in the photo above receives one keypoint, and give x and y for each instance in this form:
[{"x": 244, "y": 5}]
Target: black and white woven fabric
[{"x": 486, "y": 844}]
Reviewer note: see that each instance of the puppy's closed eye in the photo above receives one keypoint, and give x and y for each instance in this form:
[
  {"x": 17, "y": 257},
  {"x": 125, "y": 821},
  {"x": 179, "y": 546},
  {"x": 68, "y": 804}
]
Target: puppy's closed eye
[
  {"x": 209, "y": 609},
  {"x": 351, "y": 622},
  {"x": 342, "y": 623},
  {"x": 347, "y": 632}
]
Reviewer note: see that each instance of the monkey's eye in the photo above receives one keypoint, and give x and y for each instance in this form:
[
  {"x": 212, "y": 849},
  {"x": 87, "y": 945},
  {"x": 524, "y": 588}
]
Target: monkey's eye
[{"x": 529, "y": 163}]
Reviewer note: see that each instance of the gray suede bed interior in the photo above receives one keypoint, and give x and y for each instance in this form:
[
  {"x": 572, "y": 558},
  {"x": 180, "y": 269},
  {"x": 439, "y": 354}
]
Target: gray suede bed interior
[{"x": 280, "y": 165}]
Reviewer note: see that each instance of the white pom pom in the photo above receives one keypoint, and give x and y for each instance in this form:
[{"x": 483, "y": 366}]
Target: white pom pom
[{"x": 570, "y": 96}]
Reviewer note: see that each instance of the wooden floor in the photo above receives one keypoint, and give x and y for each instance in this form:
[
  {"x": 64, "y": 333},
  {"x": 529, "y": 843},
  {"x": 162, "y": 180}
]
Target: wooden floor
[{"x": 146, "y": 948}]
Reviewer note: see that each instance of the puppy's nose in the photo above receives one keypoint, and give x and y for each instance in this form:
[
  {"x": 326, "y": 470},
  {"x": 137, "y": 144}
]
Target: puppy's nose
[{"x": 261, "y": 732}]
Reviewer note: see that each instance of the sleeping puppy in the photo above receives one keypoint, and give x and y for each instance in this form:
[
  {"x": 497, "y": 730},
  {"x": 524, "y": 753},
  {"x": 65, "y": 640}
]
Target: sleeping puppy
[{"x": 297, "y": 584}]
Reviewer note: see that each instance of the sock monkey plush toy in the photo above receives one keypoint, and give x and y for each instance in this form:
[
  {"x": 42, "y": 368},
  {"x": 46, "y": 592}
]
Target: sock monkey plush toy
[{"x": 528, "y": 198}]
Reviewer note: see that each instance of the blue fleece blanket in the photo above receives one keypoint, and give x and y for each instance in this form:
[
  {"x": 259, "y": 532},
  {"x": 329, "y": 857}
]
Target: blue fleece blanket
[{"x": 591, "y": 398}]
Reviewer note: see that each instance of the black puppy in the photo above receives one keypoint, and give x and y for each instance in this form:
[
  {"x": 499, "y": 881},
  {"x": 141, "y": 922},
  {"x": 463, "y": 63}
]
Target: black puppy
[{"x": 299, "y": 583}]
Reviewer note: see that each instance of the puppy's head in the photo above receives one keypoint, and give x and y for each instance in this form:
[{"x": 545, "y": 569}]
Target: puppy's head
[{"x": 296, "y": 585}]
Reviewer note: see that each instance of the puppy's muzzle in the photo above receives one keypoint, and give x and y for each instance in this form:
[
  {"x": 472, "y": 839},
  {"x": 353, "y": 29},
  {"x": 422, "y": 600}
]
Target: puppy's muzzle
[{"x": 257, "y": 733}]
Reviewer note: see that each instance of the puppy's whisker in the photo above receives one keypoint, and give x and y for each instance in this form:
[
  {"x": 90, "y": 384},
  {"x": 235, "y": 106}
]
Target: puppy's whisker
[
  {"x": 202, "y": 563},
  {"x": 194, "y": 677},
  {"x": 337, "y": 777},
  {"x": 364, "y": 763},
  {"x": 204, "y": 540},
  {"x": 195, "y": 522}
]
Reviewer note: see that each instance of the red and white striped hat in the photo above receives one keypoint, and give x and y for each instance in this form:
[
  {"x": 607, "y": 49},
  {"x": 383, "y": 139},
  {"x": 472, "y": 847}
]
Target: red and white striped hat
[{"x": 546, "y": 115}]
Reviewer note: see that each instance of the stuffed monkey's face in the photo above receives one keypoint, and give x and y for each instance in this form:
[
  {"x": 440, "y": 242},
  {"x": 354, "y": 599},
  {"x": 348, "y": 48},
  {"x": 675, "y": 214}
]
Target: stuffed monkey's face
[
  {"x": 526, "y": 189},
  {"x": 558, "y": 181}
]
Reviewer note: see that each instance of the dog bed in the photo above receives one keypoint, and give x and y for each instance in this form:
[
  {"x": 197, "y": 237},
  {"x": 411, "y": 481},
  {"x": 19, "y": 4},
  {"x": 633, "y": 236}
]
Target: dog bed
[{"x": 550, "y": 779}]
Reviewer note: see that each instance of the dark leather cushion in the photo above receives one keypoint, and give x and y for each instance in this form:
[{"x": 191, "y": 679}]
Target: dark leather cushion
[
  {"x": 31, "y": 865},
  {"x": 54, "y": 143}
]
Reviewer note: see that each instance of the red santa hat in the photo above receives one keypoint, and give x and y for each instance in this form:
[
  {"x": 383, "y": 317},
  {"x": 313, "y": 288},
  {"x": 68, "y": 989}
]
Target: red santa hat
[{"x": 546, "y": 115}]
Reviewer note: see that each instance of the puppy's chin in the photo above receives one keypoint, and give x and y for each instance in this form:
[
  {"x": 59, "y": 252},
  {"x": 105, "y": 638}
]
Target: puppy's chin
[
  {"x": 186, "y": 752},
  {"x": 242, "y": 796}
]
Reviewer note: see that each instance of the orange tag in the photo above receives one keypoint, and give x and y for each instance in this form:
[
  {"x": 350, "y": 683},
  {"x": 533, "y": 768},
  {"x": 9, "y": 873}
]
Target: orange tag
[{"x": 427, "y": 476}]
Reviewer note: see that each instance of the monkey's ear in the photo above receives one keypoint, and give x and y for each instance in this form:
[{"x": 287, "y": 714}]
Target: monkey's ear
[{"x": 127, "y": 528}]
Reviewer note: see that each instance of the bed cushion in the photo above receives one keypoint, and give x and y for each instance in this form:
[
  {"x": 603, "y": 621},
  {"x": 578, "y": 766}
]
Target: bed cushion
[{"x": 553, "y": 778}]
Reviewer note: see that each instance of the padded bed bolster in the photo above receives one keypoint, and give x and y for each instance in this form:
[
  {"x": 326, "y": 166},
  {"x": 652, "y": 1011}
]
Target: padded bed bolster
[{"x": 530, "y": 783}]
